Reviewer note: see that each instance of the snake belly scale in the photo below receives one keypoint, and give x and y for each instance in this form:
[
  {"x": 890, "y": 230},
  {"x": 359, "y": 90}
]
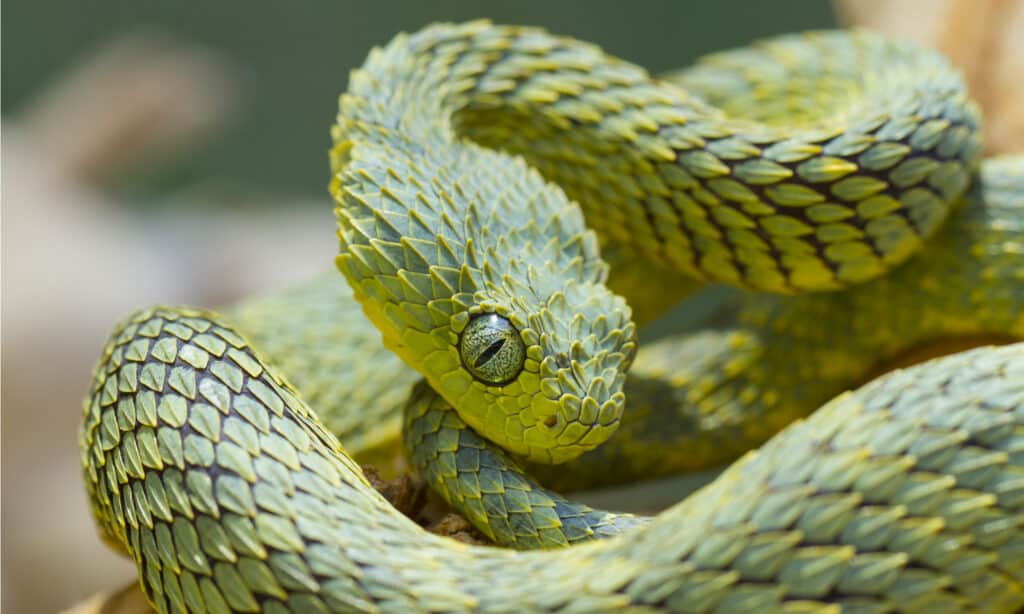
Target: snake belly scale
[{"x": 479, "y": 174}]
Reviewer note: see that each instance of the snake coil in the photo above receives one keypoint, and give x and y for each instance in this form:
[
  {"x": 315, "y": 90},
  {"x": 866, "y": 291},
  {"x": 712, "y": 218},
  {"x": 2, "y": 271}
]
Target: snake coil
[{"x": 484, "y": 178}]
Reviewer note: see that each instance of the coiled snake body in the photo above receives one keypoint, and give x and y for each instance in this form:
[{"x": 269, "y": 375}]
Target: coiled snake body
[{"x": 465, "y": 160}]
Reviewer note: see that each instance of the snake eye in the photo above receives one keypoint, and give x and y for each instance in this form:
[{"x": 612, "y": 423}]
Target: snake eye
[{"x": 491, "y": 349}]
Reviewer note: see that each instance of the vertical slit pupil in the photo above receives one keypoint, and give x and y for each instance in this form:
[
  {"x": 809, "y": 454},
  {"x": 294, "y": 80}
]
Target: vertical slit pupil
[{"x": 488, "y": 353}]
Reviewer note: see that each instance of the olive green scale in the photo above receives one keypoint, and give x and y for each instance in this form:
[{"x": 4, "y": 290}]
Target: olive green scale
[
  {"x": 813, "y": 162},
  {"x": 698, "y": 399},
  {"x": 207, "y": 468},
  {"x": 429, "y": 242}
]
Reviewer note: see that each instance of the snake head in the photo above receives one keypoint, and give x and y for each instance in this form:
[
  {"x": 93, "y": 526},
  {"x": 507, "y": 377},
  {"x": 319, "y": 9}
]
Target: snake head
[
  {"x": 545, "y": 379},
  {"x": 490, "y": 286}
]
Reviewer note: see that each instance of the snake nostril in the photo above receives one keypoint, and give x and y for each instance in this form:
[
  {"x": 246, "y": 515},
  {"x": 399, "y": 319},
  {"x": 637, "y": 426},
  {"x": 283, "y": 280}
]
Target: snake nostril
[
  {"x": 550, "y": 421},
  {"x": 562, "y": 360}
]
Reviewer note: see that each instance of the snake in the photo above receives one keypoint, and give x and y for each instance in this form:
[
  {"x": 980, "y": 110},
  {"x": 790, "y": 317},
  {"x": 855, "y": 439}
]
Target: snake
[{"x": 512, "y": 206}]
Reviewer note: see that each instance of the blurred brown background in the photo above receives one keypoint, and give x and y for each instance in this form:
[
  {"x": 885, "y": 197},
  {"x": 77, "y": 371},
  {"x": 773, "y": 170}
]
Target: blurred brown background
[{"x": 175, "y": 152}]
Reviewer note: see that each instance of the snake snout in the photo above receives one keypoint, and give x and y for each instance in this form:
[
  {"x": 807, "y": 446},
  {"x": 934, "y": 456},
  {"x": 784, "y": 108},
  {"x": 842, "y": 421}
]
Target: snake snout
[
  {"x": 581, "y": 382},
  {"x": 588, "y": 407}
]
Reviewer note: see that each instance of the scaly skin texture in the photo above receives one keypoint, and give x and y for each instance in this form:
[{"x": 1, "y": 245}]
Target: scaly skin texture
[
  {"x": 798, "y": 206},
  {"x": 358, "y": 393},
  {"x": 214, "y": 475},
  {"x": 436, "y": 230},
  {"x": 489, "y": 488},
  {"x": 702, "y": 399},
  {"x": 206, "y": 467},
  {"x": 715, "y": 393}
]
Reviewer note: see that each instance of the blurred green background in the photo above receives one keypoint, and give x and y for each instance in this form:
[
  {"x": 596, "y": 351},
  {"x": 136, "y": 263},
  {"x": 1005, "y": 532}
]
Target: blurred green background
[
  {"x": 241, "y": 208},
  {"x": 292, "y": 60}
]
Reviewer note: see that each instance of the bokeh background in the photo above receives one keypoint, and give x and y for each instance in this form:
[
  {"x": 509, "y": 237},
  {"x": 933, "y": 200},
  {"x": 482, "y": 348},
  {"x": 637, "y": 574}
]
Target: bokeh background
[{"x": 176, "y": 153}]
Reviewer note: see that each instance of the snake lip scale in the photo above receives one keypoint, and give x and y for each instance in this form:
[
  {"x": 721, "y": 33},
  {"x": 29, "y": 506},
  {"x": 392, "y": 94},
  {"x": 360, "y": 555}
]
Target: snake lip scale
[{"x": 511, "y": 206}]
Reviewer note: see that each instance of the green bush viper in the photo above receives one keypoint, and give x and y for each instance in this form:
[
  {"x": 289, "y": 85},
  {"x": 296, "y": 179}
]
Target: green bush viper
[{"x": 839, "y": 167}]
